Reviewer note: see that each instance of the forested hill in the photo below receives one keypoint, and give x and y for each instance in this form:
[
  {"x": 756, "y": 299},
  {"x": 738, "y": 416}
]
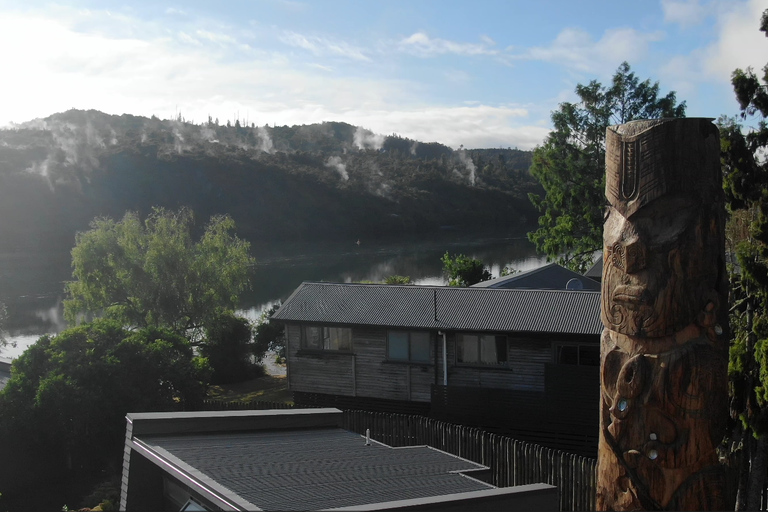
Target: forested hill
[{"x": 301, "y": 182}]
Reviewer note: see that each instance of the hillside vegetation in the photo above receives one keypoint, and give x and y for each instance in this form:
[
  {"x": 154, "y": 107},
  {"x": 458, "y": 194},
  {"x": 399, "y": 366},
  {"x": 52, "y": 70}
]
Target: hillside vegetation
[{"x": 329, "y": 180}]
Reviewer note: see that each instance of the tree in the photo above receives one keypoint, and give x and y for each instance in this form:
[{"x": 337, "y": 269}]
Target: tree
[
  {"x": 396, "y": 279},
  {"x": 230, "y": 349},
  {"x": 269, "y": 335},
  {"x": 65, "y": 403},
  {"x": 745, "y": 180},
  {"x": 462, "y": 270},
  {"x": 570, "y": 164},
  {"x": 154, "y": 274}
]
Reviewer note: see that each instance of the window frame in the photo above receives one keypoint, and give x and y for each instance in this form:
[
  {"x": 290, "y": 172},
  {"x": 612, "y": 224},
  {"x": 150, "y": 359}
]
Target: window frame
[
  {"x": 557, "y": 346},
  {"x": 459, "y": 339},
  {"x": 410, "y": 358},
  {"x": 324, "y": 334}
]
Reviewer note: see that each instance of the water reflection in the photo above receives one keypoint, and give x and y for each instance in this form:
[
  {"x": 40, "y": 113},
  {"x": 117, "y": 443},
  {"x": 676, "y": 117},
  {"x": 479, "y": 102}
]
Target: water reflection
[{"x": 32, "y": 285}]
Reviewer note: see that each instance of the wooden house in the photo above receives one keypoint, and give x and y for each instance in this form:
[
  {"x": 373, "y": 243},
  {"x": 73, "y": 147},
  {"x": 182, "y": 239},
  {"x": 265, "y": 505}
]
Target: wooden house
[{"x": 520, "y": 361}]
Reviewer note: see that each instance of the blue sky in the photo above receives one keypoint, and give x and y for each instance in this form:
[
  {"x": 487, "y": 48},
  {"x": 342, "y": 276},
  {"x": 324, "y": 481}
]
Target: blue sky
[{"x": 478, "y": 74}]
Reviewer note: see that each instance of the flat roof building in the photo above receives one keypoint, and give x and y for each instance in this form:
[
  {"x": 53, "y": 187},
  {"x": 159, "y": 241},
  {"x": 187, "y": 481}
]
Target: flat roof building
[{"x": 297, "y": 459}]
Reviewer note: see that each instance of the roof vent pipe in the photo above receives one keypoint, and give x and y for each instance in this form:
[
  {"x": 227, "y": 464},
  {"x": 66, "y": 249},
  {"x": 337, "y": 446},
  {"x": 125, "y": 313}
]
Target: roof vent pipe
[{"x": 367, "y": 437}]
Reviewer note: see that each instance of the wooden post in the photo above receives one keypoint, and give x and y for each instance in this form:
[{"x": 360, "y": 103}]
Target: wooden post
[{"x": 664, "y": 349}]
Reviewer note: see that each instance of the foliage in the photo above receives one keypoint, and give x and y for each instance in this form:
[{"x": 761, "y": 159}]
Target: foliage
[
  {"x": 395, "y": 279},
  {"x": 461, "y": 270},
  {"x": 65, "y": 403},
  {"x": 570, "y": 164},
  {"x": 507, "y": 271},
  {"x": 338, "y": 185},
  {"x": 230, "y": 349},
  {"x": 269, "y": 335},
  {"x": 745, "y": 180},
  {"x": 154, "y": 274}
]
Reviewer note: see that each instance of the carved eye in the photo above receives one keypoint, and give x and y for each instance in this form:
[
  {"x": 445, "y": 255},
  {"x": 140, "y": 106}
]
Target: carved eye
[{"x": 617, "y": 255}]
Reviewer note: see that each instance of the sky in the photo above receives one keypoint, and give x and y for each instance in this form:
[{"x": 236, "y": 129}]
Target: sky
[{"x": 481, "y": 74}]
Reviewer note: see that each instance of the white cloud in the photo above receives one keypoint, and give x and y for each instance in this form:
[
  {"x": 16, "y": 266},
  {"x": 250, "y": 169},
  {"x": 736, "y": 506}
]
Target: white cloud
[
  {"x": 575, "y": 49},
  {"x": 737, "y": 43},
  {"x": 686, "y": 13},
  {"x": 421, "y": 45},
  {"x": 323, "y": 46},
  {"x": 156, "y": 73}
]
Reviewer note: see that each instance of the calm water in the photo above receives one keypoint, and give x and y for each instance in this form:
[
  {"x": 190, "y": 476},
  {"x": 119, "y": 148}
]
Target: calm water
[{"x": 31, "y": 285}]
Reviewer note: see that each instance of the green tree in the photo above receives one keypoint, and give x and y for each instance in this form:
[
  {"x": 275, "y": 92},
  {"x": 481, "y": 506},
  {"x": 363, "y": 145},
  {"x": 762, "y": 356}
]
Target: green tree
[
  {"x": 153, "y": 273},
  {"x": 745, "y": 180},
  {"x": 570, "y": 164},
  {"x": 230, "y": 349},
  {"x": 65, "y": 403},
  {"x": 395, "y": 279},
  {"x": 461, "y": 270},
  {"x": 269, "y": 335}
]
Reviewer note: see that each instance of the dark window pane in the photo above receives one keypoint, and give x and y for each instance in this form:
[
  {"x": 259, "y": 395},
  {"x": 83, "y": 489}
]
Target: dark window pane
[
  {"x": 501, "y": 348},
  {"x": 567, "y": 354},
  {"x": 488, "y": 353},
  {"x": 589, "y": 356},
  {"x": 312, "y": 337},
  {"x": 420, "y": 346},
  {"x": 467, "y": 349},
  {"x": 397, "y": 345},
  {"x": 338, "y": 338}
]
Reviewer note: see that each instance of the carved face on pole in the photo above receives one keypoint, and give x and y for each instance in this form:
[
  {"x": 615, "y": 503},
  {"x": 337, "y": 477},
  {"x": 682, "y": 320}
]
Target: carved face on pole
[
  {"x": 663, "y": 359},
  {"x": 656, "y": 278}
]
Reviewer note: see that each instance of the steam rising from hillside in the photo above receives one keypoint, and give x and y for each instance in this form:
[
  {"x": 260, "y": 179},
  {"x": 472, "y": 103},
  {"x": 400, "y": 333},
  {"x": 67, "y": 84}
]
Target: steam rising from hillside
[
  {"x": 469, "y": 164},
  {"x": 265, "y": 141},
  {"x": 366, "y": 139},
  {"x": 341, "y": 168}
]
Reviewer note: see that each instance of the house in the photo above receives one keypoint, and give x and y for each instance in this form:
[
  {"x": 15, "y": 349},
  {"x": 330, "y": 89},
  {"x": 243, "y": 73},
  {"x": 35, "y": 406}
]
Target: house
[
  {"x": 595, "y": 272},
  {"x": 546, "y": 277},
  {"x": 522, "y": 361},
  {"x": 297, "y": 460}
]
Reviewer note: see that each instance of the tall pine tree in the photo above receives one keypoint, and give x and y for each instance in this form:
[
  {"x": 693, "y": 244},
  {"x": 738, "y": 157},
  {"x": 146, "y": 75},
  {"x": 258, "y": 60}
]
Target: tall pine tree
[{"x": 570, "y": 165}]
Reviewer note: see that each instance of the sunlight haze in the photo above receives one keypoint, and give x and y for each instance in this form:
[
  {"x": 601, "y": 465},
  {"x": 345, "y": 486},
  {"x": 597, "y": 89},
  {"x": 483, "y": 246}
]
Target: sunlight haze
[{"x": 477, "y": 74}]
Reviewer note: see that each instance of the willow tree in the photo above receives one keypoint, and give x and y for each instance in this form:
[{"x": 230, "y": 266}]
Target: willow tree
[{"x": 153, "y": 273}]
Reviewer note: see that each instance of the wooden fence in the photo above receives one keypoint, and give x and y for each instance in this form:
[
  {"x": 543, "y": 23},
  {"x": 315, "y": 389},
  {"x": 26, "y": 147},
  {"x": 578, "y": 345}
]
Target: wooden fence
[{"x": 511, "y": 461}]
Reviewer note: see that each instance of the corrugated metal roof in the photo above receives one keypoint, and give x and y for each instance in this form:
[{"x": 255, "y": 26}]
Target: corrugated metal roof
[
  {"x": 316, "y": 469},
  {"x": 547, "y": 277},
  {"x": 444, "y": 307}
]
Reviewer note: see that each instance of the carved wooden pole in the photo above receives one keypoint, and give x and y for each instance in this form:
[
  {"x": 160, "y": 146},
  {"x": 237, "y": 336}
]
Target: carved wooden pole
[{"x": 664, "y": 351}]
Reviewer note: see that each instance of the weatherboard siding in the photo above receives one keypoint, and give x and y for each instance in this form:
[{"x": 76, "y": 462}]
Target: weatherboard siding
[
  {"x": 524, "y": 371},
  {"x": 367, "y": 372}
]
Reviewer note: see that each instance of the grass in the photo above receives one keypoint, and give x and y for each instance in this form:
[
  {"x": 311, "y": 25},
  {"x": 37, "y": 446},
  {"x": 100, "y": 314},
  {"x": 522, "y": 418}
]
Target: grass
[{"x": 268, "y": 389}]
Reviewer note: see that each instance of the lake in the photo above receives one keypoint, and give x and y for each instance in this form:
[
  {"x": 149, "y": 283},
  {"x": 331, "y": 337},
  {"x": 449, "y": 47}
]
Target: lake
[{"x": 31, "y": 285}]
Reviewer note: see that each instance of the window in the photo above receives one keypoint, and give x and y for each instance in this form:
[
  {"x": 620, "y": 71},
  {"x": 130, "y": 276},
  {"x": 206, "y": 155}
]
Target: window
[
  {"x": 481, "y": 349},
  {"x": 582, "y": 355},
  {"x": 408, "y": 346},
  {"x": 326, "y": 338}
]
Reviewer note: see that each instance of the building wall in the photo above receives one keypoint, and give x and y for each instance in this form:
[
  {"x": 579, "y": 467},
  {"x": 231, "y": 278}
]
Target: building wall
[{"x": 366, "y": 372}]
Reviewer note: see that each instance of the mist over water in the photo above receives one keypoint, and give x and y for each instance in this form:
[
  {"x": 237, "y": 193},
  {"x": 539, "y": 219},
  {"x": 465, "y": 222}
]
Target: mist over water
[{"x": 31, "y": 285}]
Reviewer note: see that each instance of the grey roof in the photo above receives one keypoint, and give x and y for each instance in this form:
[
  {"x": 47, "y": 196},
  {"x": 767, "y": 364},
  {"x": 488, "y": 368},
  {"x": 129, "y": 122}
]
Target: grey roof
[
  {"x": 547, "y": 277},
  {"x": 315, "y": 468},
  {"x": 596, "y": 270},
  {"x": 446, "y": 308}
]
